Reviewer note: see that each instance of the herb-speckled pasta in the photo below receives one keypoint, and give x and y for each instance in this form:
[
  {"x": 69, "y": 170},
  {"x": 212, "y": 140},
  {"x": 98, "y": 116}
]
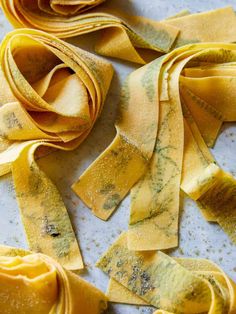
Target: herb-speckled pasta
[
  {"x": 170, "y": 112},
  {"x": 52, "y": 93}
]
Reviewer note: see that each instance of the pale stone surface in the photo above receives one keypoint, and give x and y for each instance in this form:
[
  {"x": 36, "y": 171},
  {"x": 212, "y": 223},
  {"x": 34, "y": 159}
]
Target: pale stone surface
[{"x": 197, "y": 237}]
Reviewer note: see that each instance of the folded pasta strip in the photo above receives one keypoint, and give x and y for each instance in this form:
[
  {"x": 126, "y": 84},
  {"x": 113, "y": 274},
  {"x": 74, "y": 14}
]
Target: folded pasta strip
[
  {"x": 51, "y": 95},
  {"x": 173, "y": 285},
  {"x": 35, "y": 283},
  {"x": 170, "y": 113},
  {"x": 122, "y": 35}
]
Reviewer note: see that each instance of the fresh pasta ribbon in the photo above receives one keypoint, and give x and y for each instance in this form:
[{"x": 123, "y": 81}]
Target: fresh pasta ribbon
[
  {"x": 172, "y": 285},
  {"x": 53, "y": 94},
  {"x": 187, "y": 124},
  {"x": 155, "y": 198},
  {"x": 125, "y": 37},
  {"x": 112, "y": 175},
  {"x": 117, "y": 293},
  {"x": 35, "y": 283},
  {"x": 209, "y": 185},
  {"x": 205, "y": 26},
  {"x": 121, "y": 34}
]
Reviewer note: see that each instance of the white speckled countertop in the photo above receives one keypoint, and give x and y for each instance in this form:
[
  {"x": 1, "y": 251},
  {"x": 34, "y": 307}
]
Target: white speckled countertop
[{"x": 197, "y": 237}]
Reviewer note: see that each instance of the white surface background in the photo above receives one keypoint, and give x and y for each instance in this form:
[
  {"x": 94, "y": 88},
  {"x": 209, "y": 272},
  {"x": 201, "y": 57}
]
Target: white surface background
[{"x": 197, "y": 237}]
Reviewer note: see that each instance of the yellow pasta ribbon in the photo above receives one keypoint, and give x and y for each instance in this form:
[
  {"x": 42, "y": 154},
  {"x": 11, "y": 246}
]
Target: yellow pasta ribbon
[
  {"x": 105, "y": 183},
  {"x": 53, "y": 94},
  {"x": 173, "y": 285},
  {"x": 125, "y": 37},
  {"x": 205, "y": 26},
  {"x": 121, "y": 34},
  {"x": 117, "y": 293},
  {"x": 162, "y": 100},
  {"x": 35, "y": 283}
]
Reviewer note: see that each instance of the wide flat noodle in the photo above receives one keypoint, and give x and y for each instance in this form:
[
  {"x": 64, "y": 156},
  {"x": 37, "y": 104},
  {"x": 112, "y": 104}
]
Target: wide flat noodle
[
  {"x": 106, "y": 182},
  {"x": 122, "y": 36},
  {"x": 154, "y": 217},
  {"x": 187, "y": 122},
  {"x": 212, "y": 88},
  {"x": 35, "y": 283},
  {"x": 119, "y": 294},
  {"x": 41, "y": 75},
  {"x": 170, "y": 284},
  {"x": 205, "y": 26},
  {"x": 213, "y": 188}
]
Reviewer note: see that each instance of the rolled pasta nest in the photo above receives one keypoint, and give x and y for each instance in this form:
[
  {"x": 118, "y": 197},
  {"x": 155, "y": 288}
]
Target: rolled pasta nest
[
  {"x": 52, "y": 93},
  {"x": 35, "y": 283}
]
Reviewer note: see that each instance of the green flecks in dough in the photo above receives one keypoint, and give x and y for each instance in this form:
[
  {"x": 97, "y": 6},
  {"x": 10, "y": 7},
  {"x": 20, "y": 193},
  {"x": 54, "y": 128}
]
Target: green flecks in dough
[
  {"x": 161, "y": 39},
  {"x": 60, "y": 221},
  {"x": 149, "y": 79},
  {"x": 202, "y": 104},
  {"x": 216, "y": 56},
  {"x": 125, "y": 98},
  {"x": 163, "y": 154},
  {"x": 28, "y": 56},
  {"x": 222, "y": 195},
  {"x": 159, "y": 179},
  {"x": 154, "y": 211},
  {"x": 143, "y": 278},
  {"x": 138, "y": 281},
  {"x": 11, "y": 121},
  {"x": 123, "y": 154},
  {"x": 35, "y": 182},
  {"x": 109, "y": 187},
  {"x": 50, "y": 228},
  {"x": 62, "y": 244},
  {"x": 156, "y": 278},
  {"x": 186, "y": 112},
  {"x": 112, "y": 201},
  {"x": 3, "y": 137},
  {"x": 97, "y": 70},
  {"x": 148, "y": 36},
  {"x": 52, "y": 219}
]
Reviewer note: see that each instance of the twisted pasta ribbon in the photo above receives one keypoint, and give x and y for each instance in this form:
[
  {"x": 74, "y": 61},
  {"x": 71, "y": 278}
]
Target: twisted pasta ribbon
[
  {"x": 175, "y": 285},
  {"x": 51, "y": 95},
  {"x": 170, "y": 112},
  {"x": 122, "y": 35},
  {"x": 35, "y": 283}
]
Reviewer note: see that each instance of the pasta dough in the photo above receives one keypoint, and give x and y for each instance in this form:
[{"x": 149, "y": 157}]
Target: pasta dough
[
  {"x": 35, "y": 283},
  {"x": 121, "y": 34},
  {"x": 175, "y": 285},
  {"x": 125, "y": 37},
  {"x": 168, "y": 122},
  {"x": 53, "y": 93}
]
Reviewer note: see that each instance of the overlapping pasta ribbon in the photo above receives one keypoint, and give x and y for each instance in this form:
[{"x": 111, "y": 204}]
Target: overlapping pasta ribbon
[
  {"x": 51, "y": 95},
  {"x": 32, "y": 283},
  {"x": 170, "y": 111},
  {"x": 122, "y": 35},
  {"x": 175, "y": 285}
]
